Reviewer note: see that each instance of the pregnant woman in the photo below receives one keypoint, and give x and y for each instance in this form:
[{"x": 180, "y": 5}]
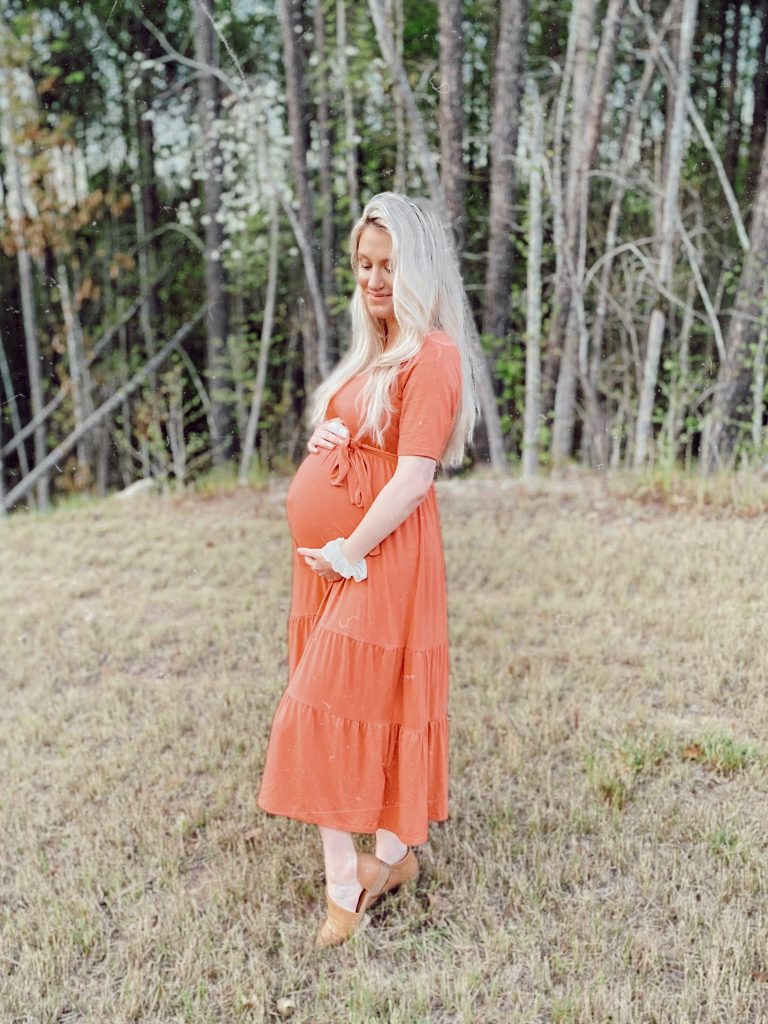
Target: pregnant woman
[{"x": 359, "y": 741}]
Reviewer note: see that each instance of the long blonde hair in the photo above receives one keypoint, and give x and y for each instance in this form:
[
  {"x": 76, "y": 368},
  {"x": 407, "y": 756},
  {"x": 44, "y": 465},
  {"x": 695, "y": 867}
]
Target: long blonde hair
[{"x": 427, "y": 294}]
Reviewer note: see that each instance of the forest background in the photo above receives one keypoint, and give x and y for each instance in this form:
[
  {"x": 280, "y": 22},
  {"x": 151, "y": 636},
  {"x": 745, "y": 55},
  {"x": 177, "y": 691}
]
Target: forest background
[
  {"x": 179, "y": 181},
  {"x": 177, "y": 184}
]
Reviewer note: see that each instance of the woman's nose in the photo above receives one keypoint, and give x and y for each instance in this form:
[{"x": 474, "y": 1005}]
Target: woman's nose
[{"x": 376, "y": 279}]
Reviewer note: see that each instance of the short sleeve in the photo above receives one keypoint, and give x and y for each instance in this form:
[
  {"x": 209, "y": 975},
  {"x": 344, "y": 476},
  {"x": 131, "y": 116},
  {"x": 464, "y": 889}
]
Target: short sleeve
[{"x": 431, "y": 394}]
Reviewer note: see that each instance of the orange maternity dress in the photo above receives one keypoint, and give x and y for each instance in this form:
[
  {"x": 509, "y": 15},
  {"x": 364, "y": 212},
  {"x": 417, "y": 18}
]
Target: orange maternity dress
[{"x": 359, "y": 740}]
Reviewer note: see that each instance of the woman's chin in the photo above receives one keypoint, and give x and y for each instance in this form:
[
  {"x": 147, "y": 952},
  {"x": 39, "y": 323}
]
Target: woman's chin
[{"x": 380, "y": 311}]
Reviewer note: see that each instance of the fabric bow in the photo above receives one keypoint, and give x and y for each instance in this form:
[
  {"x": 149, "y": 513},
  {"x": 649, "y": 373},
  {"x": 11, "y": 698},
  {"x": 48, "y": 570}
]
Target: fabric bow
[{"x": 350, "y": 463}]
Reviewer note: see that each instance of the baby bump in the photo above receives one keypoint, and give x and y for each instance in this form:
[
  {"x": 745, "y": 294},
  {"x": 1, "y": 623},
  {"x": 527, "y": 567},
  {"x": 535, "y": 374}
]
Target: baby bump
[{"x": 318, "y": 510}]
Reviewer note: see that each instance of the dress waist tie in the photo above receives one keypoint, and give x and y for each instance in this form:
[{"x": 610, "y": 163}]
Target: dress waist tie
[{"x": 350, "y": 463}]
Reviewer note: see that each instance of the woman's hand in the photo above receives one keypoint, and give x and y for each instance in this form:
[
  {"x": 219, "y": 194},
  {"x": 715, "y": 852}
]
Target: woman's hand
[
  {"x": 324, "y": 435},
  {"x": 315, "y": 561}
]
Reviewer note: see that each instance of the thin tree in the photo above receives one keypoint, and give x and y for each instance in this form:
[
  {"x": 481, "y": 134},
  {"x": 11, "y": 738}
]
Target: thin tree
[
  {"x": 324, "y": 144},
  {"x": 738, "y": 372},
  {"x": 533, "y": 311},
  {"x": 16, "y": 211},
  {"x": 350, "y": 146},
  {"x": 582, "y": 154},
  {"x": 296, "y": 92},
  {"x": 669, "y": 222},
  {"x": 507, "y": 93},
  {"x": 79, "y": 374},
  {"x": 426, "y": 160},
  {"x": 565, "y": 197},
  {"x": 217, "y": 321},
  {"x": 249, "y": 441},
  {"x": 452, "y": 113}
]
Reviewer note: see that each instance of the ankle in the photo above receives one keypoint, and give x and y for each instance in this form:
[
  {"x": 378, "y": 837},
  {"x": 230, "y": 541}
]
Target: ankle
[
  {"x": 345, "y": 896},
  {"x": 391, "y": 850}
]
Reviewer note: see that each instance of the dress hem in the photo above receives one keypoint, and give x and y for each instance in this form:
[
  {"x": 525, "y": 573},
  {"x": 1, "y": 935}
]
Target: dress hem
[{"x": 314, "y": 819}]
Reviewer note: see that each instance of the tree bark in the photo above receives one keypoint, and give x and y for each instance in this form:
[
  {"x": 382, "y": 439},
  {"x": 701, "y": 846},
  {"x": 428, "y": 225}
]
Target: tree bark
[
  {"x": 296, "y": 91},
  {"x": 732, "y": 114},
  {"x": 669, "y": 222},
  {"x": 452, "y": 113},
  {"x": 533, "y": 314},
  {"x": 145, "y": 206},
  {"x": 217, "y": 321},
  {"x": 350, "y": 145},
  {"x": 584, "y": 145},
  {"x": 577, "y": 72},
  {"x": 736, "y": 374},
  {"x": 484, "y": 380},
  {"x": 81, "y": 387},
  {"x": 327, "y": 247},
  {"x": 507, "y": 92},
  {"x": 266, "y": 339},
  {"x": 394, "y": 10},
  {"x": 26, "y": 289},
  {"x": 630, "y": 136},
  {"x": 760, "y": 110},
  {"x": 13, "y": 405}
]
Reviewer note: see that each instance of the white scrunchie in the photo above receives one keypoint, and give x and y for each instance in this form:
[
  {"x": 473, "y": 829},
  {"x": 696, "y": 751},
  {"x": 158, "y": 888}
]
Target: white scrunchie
[{"x": 357, "y": 571}]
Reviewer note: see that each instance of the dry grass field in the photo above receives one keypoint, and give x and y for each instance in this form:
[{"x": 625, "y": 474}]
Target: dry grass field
[{"x": 606, "y": 858}]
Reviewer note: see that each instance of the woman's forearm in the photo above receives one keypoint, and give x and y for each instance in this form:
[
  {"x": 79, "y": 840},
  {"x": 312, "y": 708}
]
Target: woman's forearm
[{"x": 397, "y": 499}]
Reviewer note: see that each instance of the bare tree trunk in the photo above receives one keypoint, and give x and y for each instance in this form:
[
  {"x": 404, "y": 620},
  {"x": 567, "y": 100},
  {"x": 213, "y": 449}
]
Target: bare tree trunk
[
  {"x": 350, "y": 147},
  {"x": 630, "y": 136},
  {"x": 29, "y": 318},
  {"x": 533, "y": 315},
  {"x": 217, "y": 321},
  {"x": 13, "y": 405},
  {"x": 669, "y": 221},
  {"x": 758, "y": 390},
  {"x": 577, "y": 71},
  {"x": 507, "y": 92},
  {"x": 584, "y": 145},
  {"x": 15, "y": 495},
  {"x": 79, "y": 375},
  {"x": 266, "y": 338},
  {"x": 760, "y": 109},
  {"x": 145, "y": 209},
  {"x": 659, "y": 48},
  {"x": 732, "y": 118},
  {"x": 296, "y": 91},
  {"x": 736, "y": 374},
  {"x": 452, "y": 113},
  {"x": 326, "y": 179},
  {"x": 394, "y": 11},
  {"x": 126, "y": 465},
  {"x": 419, "y": 136},
  {"x": 2, "y": 466}
]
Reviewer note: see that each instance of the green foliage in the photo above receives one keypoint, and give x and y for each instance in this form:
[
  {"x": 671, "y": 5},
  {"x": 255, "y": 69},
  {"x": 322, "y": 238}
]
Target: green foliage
[
  {"x": 105, "y": 86},
  {"x": 723, "y": 754}
]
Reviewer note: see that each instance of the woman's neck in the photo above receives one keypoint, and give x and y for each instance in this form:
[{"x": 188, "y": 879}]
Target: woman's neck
[{"x": 391, "y": 331}]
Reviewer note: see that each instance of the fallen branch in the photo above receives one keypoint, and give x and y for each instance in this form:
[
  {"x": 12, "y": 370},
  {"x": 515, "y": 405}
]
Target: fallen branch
[
  {"x": 61, "y": 450},
  {"x": 50, "y": 407}
]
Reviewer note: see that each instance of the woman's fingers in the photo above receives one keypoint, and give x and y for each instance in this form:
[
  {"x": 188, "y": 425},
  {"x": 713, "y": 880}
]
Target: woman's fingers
[
  {"x": 323, "y": 442},
  {"x": 325, "y": 437}
]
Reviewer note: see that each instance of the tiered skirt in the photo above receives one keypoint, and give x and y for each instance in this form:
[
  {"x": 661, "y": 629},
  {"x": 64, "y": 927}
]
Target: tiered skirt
[{"x": 359, "y": 740}]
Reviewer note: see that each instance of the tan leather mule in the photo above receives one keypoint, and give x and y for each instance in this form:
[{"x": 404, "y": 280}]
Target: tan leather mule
[
  {"x": 341, "y": 924},
  {"x": 406, "y": 870}
]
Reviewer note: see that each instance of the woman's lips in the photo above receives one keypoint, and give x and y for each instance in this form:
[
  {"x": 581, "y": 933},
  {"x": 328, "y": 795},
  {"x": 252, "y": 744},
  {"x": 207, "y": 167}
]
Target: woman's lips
[{"x": 374, "y": 295}]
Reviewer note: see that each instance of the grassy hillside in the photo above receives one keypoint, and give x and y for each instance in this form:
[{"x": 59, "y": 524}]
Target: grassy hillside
[{"x": 606, "y": 855}]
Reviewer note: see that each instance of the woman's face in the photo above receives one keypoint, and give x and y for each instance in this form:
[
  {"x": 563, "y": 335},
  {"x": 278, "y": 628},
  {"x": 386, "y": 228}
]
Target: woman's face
[{"x": 374, "y": 271}]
